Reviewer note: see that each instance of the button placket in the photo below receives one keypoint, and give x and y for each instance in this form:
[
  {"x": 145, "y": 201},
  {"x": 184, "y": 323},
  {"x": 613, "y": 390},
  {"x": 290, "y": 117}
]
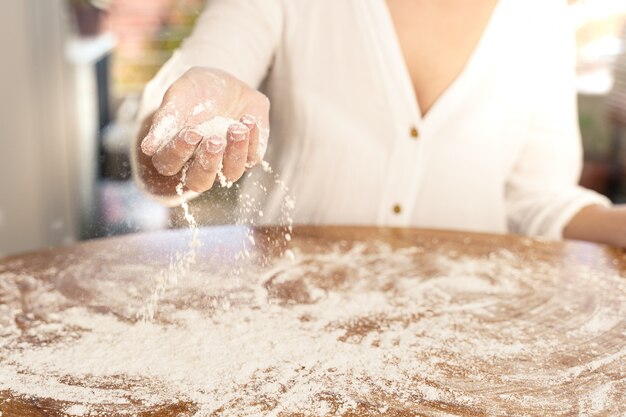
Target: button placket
[
  {"x": 399, "y": 205},
  {"x": 396, "y": 202}
]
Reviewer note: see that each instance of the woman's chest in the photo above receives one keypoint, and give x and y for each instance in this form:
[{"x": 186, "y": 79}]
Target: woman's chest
[
  {"x": 346, "y": 94},
  {"x": 437, "y": 39}
]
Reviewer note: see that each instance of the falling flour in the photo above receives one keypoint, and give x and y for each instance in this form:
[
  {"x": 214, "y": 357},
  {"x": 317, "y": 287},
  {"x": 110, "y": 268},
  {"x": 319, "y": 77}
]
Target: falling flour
[
  {"x": 249, "y": 210},
  {"x": 182, "y": 262}
]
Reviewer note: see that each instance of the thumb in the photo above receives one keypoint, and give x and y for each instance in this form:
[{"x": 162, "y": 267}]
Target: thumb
[{"x": 165, "y": 124}]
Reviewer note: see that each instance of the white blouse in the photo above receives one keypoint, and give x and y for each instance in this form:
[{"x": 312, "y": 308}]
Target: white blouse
[{"x": 498, "y": 152}]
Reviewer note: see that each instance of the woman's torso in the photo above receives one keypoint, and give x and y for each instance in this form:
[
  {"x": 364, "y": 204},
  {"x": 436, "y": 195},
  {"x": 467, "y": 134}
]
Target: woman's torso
[{"x": 348, "y": 136}]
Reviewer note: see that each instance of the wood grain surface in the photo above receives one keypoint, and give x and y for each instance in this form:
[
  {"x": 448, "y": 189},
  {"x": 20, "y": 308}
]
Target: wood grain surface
[{"x": 556, "y": 306}]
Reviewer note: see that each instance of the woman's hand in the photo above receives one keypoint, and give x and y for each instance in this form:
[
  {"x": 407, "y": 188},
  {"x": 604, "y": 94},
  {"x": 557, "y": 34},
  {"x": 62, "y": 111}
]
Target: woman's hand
[{"x": 184, "y": 130}]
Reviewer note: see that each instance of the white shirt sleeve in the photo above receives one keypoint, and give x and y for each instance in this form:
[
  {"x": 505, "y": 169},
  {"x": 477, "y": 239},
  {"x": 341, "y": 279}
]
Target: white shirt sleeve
[
  {"x": 237, "y": 36},
  {"x": 542, "y": 192}
]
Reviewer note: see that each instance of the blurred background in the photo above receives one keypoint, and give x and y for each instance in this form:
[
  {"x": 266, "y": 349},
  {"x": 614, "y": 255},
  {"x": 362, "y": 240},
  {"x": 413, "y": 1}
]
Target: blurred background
[{"x": 70, "y": 82}]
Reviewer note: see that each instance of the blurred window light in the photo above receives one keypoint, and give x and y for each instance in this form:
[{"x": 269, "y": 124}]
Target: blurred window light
[{"x": 585, "y": 11}]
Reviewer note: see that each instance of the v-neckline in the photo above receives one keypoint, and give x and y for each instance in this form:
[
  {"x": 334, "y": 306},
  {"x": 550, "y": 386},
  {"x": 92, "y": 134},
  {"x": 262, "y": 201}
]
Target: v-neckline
[{"x": 399, "y": 64}]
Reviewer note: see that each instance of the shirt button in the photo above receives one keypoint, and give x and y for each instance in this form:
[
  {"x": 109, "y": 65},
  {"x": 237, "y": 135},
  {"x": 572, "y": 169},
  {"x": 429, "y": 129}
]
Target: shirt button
[
  {"x": 397, "y": 209},
  {"x": 415, "y": 134}
]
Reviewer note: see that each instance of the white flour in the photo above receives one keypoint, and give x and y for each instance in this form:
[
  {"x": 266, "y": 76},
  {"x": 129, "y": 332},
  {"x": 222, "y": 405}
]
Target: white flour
[
  {"x": 181, "y": 263},
  {"x": 165, "y": 128},
  {"x": 77, "y": 410},
  {"x": 216, "y": 126},
  {"x": 360, "y": 329},
  {"x": 202, "y": 107}
]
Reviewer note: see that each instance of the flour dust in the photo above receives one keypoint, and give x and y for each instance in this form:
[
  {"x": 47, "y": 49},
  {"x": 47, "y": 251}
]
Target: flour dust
[
  {"x": 249, "y": 212},
  {"x": 350, "y": 328}
]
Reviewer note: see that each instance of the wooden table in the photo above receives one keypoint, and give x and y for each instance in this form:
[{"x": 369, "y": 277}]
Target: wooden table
[{"x": 460, "y": 323}]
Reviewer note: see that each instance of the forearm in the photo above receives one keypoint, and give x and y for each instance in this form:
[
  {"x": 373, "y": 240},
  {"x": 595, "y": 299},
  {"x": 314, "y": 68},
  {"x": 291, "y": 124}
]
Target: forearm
[{"x": 599, "y": 224}]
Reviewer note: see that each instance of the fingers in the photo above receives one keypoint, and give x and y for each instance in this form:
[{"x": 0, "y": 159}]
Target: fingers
[
  {"x": 169, "y": 159},
  {"x": 252, "y": 157},
  {"x": 215, "y": 153},
  {"x": 236, "y": 152},
  {"x": 256, "y": 118},
  {"x": 253, "y": 139},
  {"x": 209, "y": 155},
  {"x": 164, "y": 126},
  {"x": 206, "y": 163}
]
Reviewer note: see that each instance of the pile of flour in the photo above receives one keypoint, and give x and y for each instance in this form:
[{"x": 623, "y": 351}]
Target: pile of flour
[{"x": 352, "y": 329}]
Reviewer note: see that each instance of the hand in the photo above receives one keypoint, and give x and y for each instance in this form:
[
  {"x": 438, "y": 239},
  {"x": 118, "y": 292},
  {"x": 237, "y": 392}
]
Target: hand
[{"x": 183, "y": 129}]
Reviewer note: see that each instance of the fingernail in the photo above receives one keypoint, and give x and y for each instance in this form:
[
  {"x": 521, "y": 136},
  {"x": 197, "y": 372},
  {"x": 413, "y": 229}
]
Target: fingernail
[
  {"x": 248, "y": 120},
  {"x": 212, "y": 146},
  {"x": 191, "y": 136},
  {"x": 238, "y": 132},
  {"x": 215, "y": 144}
]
